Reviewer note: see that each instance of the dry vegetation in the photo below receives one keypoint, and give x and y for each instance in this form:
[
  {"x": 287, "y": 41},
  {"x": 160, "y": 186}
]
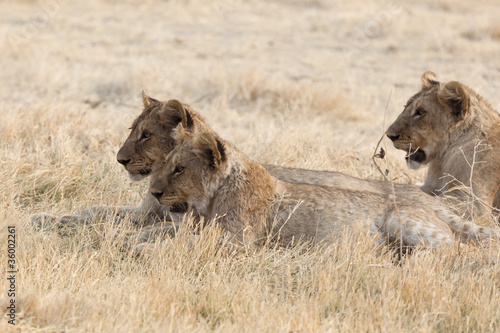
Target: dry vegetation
[{"x": 299, "y": 83}]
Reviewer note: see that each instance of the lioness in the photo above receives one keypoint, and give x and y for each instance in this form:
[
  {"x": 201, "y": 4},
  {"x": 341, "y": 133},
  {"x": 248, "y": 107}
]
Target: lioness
[
  {"x": 457, "y": 133},
  {"x": 219, "y": 182}
]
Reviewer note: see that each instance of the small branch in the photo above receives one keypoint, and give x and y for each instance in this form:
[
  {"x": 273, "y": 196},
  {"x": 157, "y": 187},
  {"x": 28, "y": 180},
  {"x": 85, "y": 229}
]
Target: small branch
[{"x": 381, "y": 155}]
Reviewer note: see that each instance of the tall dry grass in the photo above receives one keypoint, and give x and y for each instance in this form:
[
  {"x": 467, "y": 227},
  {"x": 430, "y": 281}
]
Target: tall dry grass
[{"x": 297, "y": 83}]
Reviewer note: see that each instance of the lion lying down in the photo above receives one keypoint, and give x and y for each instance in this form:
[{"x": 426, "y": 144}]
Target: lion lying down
[
  {"x": 151, "y": 139},
  {"x": 220, "y": 183}
]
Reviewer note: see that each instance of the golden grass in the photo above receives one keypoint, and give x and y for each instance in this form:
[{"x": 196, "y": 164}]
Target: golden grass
[{"x": 299, "y": 83}]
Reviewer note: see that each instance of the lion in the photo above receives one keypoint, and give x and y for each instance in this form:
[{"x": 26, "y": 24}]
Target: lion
[
  {"x": 454, "y": 131},
  {"x": 219, "y": 183},
  {"x": 151, "y": 139},
  {"x": 158, "y": 121},
  {"x": 139, "y": 155}
]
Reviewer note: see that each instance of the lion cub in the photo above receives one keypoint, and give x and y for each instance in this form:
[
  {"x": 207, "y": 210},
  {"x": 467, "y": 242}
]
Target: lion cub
[
  {"x": 220, "y": 183},
  {"x": 456, "y": 133}
]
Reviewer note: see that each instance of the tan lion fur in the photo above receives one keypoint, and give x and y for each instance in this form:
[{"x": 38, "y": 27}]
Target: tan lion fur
[
  {"x": 151, "y": 139},
  {"x": 161, "y": 134},
  {"x": 454, "y": 131},
  {"x": 220, "y": 183}
]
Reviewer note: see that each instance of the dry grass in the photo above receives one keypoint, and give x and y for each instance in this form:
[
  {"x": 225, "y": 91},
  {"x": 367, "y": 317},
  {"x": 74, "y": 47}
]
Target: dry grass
[{"x": 299, "y": 83}]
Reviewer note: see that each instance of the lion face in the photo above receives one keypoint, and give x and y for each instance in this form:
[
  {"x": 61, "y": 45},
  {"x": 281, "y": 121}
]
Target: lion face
[
  {"x": 150, "y": 137},
  {"x": 190, "y": 172},
  {"x": 423, "y": 128}
]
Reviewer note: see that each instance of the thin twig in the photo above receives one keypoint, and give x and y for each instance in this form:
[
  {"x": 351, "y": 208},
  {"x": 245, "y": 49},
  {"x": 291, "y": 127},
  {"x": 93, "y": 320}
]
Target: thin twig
[
  {"x": 392, "y": 188},
  {"x": 375, "y": 155}
]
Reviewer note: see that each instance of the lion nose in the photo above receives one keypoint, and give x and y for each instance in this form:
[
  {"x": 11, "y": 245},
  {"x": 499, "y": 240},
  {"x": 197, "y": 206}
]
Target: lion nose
[
  {"x": 123, "y": 161},
  {"x": 393, "y": 137},
  {"x": 157, "y": 194}
]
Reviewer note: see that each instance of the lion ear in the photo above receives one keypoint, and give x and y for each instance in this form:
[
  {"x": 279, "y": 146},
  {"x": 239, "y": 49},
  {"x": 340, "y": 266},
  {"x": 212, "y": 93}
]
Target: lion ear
[
  {"x": 455, "y": 96},
  {"x": 177, "y": 113},
  {"x": 179, "y": 134},
  {"x": 212, "y": 149},
  {"x": 148, "y": 101},
  {"x": 429, "y": 80}
]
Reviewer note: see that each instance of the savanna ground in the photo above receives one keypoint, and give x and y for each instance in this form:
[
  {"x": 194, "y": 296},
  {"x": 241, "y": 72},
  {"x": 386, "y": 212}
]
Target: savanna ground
[{"x": 300, "y": 83}]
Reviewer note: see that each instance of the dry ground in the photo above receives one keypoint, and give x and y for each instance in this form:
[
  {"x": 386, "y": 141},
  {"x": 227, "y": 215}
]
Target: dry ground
[{"x": 299, "y": 83}]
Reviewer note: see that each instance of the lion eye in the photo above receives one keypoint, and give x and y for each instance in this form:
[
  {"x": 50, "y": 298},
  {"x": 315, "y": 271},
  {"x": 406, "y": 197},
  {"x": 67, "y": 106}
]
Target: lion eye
[
  {"x": 145, "y": 135},
  {"x": 178, "y": 170},
  {"x": 419, "y": 112}
]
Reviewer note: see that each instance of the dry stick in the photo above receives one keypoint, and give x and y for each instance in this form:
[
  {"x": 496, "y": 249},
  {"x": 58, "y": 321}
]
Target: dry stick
[
  {"x": 471, "y": 165},
  {"x": 375, "y": 155},
  {"x": 392, "y": 188},
  {"x": 470, "y": 188},
  {"x": 384, "y": 309},
  {"x": 381, "y": 138},
  {"x": 476, "y": 145},
  {"x": 470, "y": 184}
]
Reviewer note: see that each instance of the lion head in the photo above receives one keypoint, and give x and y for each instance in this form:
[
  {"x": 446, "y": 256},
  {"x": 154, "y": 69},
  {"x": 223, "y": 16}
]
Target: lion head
[
  {"x": 150, "y": 138},
  {"x": 191, "y": 171},
  {"x": 426, "y": 125}
]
